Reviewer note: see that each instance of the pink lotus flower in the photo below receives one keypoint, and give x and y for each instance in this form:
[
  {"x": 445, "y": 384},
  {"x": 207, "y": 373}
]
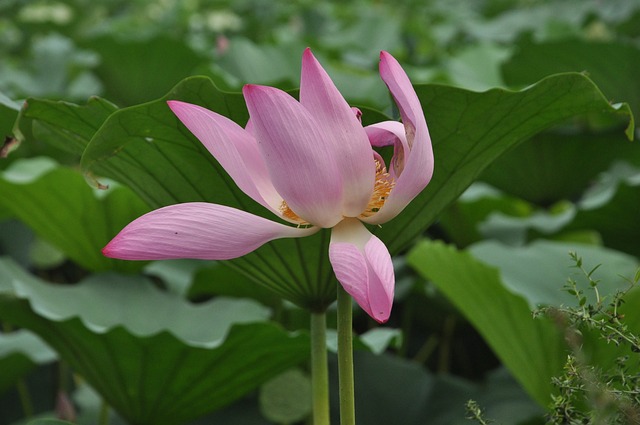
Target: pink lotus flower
[{"x": 312, "y": 164}]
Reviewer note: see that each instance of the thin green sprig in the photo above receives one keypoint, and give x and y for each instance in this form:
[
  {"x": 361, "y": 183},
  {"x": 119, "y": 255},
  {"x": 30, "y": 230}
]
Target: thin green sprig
[{"x": 586, "y": 393}]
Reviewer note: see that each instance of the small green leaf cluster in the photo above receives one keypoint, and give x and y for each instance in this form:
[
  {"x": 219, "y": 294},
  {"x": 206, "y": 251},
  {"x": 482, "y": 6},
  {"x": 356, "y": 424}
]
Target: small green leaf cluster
[
  {"x": 474, "y": 412},
  {"x": 589, "y": 393}
]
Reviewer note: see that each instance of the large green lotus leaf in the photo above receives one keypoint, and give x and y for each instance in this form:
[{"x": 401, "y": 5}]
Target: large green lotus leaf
[
  {"x": 612, "y": 65},
  {"x": 532, "y": 349},
  {"x": 61, "y": 208},
  {"x": 537, "y": 170},
  {"x": 155, "y": 358},
  {"x": 538, "y": 271},
  {"x": 20, "y": 352},
  {"x": 63, "y": 125},
  {"x": 146, "y": 148},
  {"x": 471, "y": 130},
  {"x": 298, "y": 270},
  {"x": 555, "y": 166}
]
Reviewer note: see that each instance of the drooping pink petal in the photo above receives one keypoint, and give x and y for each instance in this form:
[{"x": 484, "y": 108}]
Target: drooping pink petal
[
  {"x": 343, "y": 130},
  {"x": 363, "y": 267},
  {"x": 385, "y": 133},
  {"x": 302, "y": 164},
  {"x": 415, "y": 167},
  {"x": 196, "y": 230},
  {"x": 390, "y": 133},
  {"x": 234, "y": 148}
]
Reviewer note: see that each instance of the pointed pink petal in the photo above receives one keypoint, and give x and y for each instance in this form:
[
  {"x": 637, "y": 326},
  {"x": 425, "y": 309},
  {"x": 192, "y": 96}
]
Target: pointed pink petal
[
  {"x": 196, "y": 230},
  {"x": 415, "y": 167},
  {"x": 343, "y": 130},
  {"x": 363, "y": 267},
  {"x": 302, "y": 164},
  {"x": 234, "y": 148}
]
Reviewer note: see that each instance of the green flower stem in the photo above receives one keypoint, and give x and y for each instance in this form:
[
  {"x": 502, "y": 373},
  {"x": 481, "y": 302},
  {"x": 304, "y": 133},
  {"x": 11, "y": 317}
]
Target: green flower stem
[
  {"x": 25, "y": 398},
  {"x": 103, "y": 419},
  {"x": 319, "y": 369},
  {"x": 345, "y": 358}
]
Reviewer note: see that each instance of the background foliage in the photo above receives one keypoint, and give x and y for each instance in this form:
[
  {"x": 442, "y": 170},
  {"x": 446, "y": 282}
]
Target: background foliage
[{"x": 530, "y": 106}]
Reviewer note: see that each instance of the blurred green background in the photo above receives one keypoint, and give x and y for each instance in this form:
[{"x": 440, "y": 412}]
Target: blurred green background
[{"x": 523, "y": 176}]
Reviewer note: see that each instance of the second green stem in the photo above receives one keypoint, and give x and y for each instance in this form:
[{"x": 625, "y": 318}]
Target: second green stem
[{"x": 345, "y": 358}]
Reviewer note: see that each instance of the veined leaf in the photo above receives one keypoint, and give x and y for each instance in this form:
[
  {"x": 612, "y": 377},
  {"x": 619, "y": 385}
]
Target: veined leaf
[
  {"x": 63, "y": 125},
  {"x": 155, "y": 358}
]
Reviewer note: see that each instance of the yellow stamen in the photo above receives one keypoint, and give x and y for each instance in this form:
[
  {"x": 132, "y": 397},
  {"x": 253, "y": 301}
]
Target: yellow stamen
[
  {"x": 288, "y": 213},
  {"x": 383, "y": 185}
]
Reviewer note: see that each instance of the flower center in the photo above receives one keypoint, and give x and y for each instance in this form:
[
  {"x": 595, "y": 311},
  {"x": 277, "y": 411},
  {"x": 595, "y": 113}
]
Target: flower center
[
  {"x": 383, "y": 185},
  {"x": 381, "y": 188}
]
